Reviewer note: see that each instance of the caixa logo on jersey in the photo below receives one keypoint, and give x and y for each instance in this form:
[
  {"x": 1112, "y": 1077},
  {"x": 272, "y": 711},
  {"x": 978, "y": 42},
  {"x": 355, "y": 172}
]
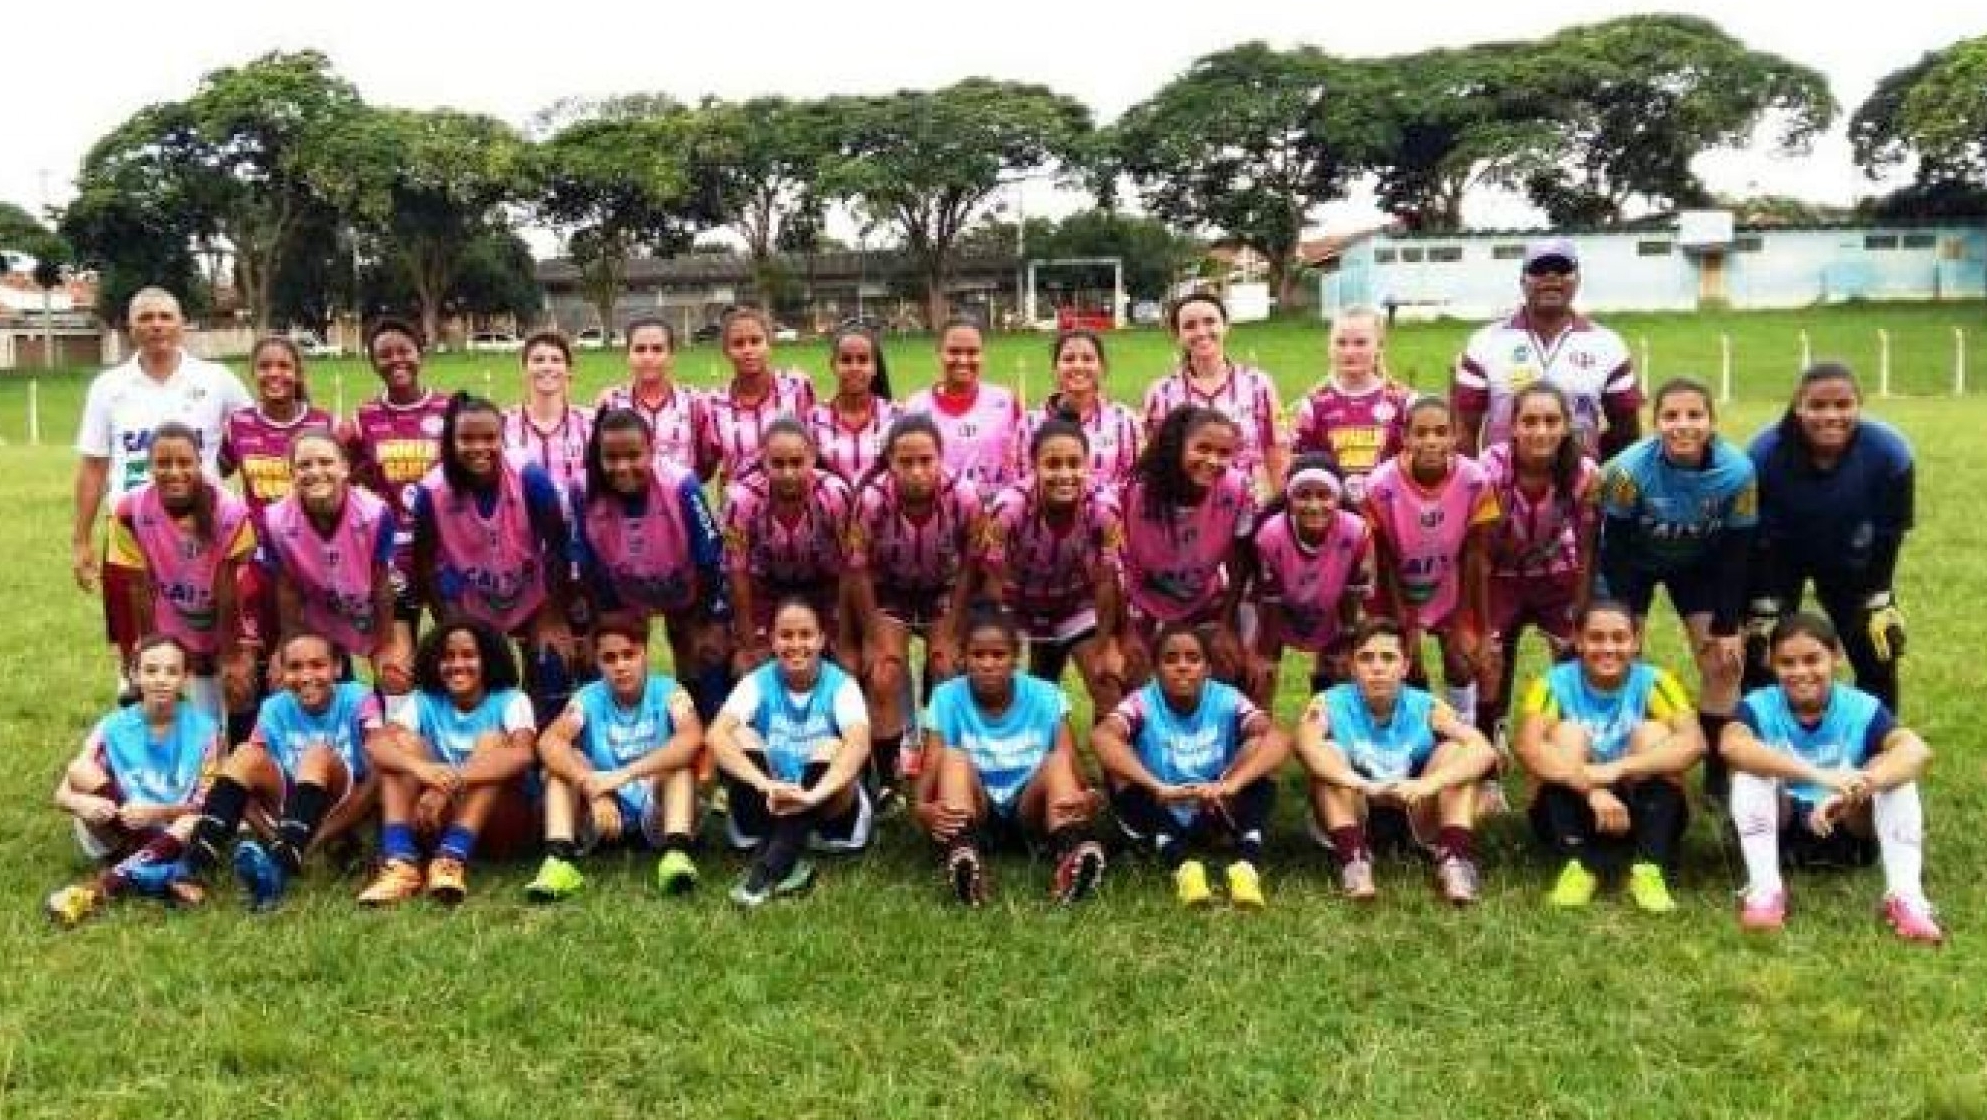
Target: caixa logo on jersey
[{"x": 139, "y": 442}]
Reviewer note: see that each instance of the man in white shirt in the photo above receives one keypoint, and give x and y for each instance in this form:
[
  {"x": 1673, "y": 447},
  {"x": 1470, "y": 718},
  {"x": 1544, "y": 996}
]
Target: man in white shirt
[
  {"x": 160, "y": 382},
  {"x": 1546, "y": 340}
]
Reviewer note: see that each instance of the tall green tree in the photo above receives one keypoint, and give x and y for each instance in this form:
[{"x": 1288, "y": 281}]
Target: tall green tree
[
  {"x": 1933, "y": 112},
  {"x": 764, "y": 156},
  {"x": 619, "y": 187},
  {"x": 435, "y": 183},
  {"x": 243, "y": 159},
  {"x": 926, "y": 162},
  {"x": 133, "y": 223},
  {"x": 1249, "y": 140},
  {"x": 1457, "y": 120},
  {"x": 1642, "y": 96}
]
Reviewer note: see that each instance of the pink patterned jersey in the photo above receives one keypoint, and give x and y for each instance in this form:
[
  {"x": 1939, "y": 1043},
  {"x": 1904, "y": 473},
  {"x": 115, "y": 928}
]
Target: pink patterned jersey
[
  {"x": 332, "y": 572},
  {"x": 1427, "y": 528},
  {"x": 1308, "y": 582},
  {"x": 259, "y": 448},
  {"x": 978, "y": 435},
  {"x": 1248, "y": 397},
  {"x": 1051, "y": 569},
  {"x": 393, "y": 448},
  {"x": 849, "y": 450},
  {"x": 1538, "y": 536},
  {"x": 560, "y": 448},
  {"x": 1112, "y": 430},
  {"x": 491, "y": 564},
  {"x": 1176, "y": 560},
  {"x": 674, "y": 422},
  {"x": 645, "y": 556},
  {"x": 181, "y": 568},
  {"x": 732, "y": 432},
  {"x": 914, "y": 555},
  {"x": 771, "y": 547},
  {"x": 1358, "y": 430}
]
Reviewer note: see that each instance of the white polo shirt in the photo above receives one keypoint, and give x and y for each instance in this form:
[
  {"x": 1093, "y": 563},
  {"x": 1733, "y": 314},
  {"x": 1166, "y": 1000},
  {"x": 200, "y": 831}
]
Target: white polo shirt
[
  {"x": 125, "y": 406},
  {"x": 1587, "y": 361}
]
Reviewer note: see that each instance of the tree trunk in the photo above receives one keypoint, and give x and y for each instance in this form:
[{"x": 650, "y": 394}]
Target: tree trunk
[{"x": 937, "y": 307}]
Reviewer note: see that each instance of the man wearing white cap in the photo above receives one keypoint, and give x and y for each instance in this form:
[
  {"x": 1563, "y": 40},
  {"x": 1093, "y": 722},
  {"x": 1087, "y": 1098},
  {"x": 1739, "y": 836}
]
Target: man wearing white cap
[{"x": 1547, "y": 340}]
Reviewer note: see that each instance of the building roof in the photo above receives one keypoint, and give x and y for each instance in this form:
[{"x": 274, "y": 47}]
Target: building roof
[
  {"x": 1668, "y": 225},
  {"x": 719, "y": 268}
]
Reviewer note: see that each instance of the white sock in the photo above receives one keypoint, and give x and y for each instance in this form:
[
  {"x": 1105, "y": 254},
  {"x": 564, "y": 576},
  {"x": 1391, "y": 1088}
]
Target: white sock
[
  {"x": 1756, "y": 813},
  {"x": 1900, "y": 819},
  {"x": 1462, "y": 699},
  {"x": 204, "y": 693}
]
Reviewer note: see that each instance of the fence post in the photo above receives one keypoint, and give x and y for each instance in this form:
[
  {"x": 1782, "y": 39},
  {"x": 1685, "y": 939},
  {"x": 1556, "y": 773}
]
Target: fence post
[
  {"x": 486, "y": 384},
  {"x": 1959, "y": 361},
  {"x": 1724, "y": 368},
  {"x": 1807, "y": 351},
  {"x": 34, "y": 412},
  {"x": 1883, "y": 362},
  {"x": 1643, "y": 369}
]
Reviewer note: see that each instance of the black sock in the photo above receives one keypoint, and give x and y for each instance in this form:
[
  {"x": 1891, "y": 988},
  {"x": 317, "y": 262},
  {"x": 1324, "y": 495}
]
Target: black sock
[
  {"x": 561, "y": 850},
  {"x": 883, "y": 758},
  {"x": 1716, "y": 781},
  {"x": 220, "y": 816},
  {"x": 1659, "y": 814},
  {"x": 782, "y": 849},
  {"x": 1066, "y": 838},
  {"x": 1172, "y": 851},
  {"x": 676, "y": 842},
  {"x": 1249, "y": 846},
  {"x": 302, "y": 815}
]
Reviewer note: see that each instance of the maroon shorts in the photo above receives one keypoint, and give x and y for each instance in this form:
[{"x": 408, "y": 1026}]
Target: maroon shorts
[
  {"x": 1542, "y": 601},
  {"x": 115, "y": 586}
]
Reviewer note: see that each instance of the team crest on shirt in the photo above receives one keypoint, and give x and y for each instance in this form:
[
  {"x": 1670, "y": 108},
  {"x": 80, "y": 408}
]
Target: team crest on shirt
[
  {"x": 431, "y": 425},
  {"x": 1521, "y": 353},
  {"x": 1581, "y": 360},
  {"x": 1431, "y": 518},
  {"x": 1384, "y": 412}
]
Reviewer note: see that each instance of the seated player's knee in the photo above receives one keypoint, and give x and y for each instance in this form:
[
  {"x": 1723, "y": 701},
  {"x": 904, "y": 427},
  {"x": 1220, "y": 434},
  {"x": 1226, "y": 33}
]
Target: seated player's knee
[
  {"x": 1568, "y": 736},
  {"x": 886, "y": 675},
  {"x": 85, "y": 776},
  {"x": 1647, "y": 736}
]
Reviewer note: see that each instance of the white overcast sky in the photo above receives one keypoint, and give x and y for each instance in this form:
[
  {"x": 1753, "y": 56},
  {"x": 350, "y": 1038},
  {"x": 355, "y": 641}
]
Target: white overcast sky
[{"x": 72, "y": 73}]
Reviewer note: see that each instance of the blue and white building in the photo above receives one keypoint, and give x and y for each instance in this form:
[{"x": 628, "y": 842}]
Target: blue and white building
[{"x": 1704, "y": 261}]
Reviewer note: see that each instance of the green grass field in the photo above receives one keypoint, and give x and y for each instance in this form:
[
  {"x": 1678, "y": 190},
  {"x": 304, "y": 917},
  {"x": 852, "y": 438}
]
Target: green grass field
[{"x": 873, "y": 997}]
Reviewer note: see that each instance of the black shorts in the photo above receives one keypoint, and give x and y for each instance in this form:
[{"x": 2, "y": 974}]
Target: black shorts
[
  {"x": 1693, "y": 589},
  {"x": 1841, "y": 848}
]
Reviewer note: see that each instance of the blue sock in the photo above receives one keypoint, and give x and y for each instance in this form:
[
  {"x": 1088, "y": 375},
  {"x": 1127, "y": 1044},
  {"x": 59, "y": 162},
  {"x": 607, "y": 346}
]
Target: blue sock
[
  {"x": 457, "y": 843},
  {"x": 396, "y": 841},
  {"x": 709, "y": 690}
]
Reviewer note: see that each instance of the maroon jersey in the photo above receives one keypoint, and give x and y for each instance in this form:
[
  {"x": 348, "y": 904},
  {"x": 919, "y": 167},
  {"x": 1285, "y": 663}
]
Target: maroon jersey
[
  {"x": 1358, "y": 430},
  {"x": 393, "y": 447},
  {"x": 259, "y": 448}
]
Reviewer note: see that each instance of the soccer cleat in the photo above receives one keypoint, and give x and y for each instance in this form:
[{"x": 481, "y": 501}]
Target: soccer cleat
[
  {"x": 150, "y": 878},
  {"x": 397, "y": 881},
  {"x": 887, "y": 804},
  {"x": 800, "y": 880},
  {"x": 1763, "y": 913},
  {"x": 70, "y": 905},
  {"x": 261, "y": 875},
  {"x": 675, "y": 873},
  {"x": 1078, "y": 873},
  {"x": 1356, "y": 879},
  {"x": 447, "y": 882},
  {"x": 556, "y": 879},
  {"x": 754, "y": 890},
  {"x": 967, "y": 878},
  {"x": 1245, "y": 886},
  {"x": 1574, "y": 888},
  {"x": 1649, "y": 890},
  {"x": 1190, "y": 884},
  {"x": 1455, "y": 877},
  {"x": 1912, "y": 920}
]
